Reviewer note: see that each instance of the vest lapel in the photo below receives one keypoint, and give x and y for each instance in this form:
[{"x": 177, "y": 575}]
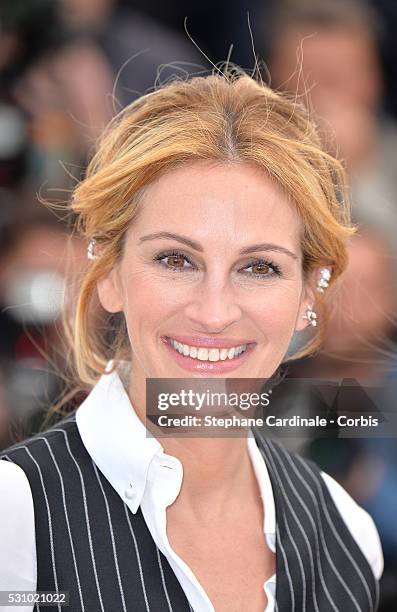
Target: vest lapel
[{"x": 319, "y": 565}]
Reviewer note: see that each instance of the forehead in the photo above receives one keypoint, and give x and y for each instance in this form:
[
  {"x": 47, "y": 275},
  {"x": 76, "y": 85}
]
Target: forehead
[{"x": 215, "y": 202}]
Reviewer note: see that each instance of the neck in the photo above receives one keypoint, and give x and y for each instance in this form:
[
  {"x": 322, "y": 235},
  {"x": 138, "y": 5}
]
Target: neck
[{"x": 218, "y": 475}]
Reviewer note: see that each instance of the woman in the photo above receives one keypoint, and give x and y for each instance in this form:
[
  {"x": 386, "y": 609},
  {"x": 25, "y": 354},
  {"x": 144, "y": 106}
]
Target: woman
[{"x": 214, "y": 220}]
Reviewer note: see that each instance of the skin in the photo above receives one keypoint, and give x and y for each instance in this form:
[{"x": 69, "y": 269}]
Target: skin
[{"x": 215, "y": 295}]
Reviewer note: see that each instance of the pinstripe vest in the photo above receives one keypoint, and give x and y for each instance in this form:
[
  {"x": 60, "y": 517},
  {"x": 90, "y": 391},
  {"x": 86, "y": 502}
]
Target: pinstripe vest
[{"x": 90, "y": 544}]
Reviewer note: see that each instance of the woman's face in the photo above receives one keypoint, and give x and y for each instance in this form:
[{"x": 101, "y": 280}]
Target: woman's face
[{"x": 211, "y": 276}]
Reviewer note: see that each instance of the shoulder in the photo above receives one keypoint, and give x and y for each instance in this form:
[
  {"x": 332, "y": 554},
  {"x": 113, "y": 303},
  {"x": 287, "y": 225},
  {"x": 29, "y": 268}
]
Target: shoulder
[
  {"x": 359, "y": 523},
  {"x": 24, "y": 467},
  {"x": 306, "y": 472},
  {"x": 28, "y": 448},
  {"x": 14, "y": 485},
  {"x": 42, "y": 456},
  {"x": 17, "y": 529}
]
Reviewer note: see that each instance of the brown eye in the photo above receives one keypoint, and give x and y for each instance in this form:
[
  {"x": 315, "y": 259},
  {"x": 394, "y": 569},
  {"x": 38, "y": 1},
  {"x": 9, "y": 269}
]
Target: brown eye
[
  {"x": 175, "y": 261},
  {"x": 260, "y": 268}
]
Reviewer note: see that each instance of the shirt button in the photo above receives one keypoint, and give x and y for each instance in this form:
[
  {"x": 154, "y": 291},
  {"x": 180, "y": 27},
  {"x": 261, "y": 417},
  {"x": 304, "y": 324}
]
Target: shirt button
[{"x": 129, "y": 493}]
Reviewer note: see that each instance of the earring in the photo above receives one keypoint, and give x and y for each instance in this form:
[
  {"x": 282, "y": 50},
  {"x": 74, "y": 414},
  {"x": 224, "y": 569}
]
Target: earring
[
  {"x": 91, "y": 249},
  {"x": 310, "y": 316},
  {"x": 323, "y": 281}
]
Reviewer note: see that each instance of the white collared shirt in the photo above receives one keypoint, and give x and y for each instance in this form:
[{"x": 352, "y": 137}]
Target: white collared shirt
[{"x": 144, "y": 476}]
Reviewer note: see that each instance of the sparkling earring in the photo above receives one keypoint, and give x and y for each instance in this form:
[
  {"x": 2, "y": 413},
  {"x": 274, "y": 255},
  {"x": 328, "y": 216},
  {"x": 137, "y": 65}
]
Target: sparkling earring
[
  {"x": 310, "y": 316},
  {"x": 323, "y": 281},
  {"x": 91, "y": 249}
]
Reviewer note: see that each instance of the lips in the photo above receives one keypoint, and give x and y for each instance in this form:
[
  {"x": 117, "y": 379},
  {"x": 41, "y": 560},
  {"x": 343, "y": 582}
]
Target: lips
[{"x": 210, "y": 361}]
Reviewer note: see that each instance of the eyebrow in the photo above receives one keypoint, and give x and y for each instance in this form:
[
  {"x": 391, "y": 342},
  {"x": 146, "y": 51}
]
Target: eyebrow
[
  {"x": 170, "y": 236},
  {"x": 268, "y": 246},
  {"x": 263, "y": 246}
]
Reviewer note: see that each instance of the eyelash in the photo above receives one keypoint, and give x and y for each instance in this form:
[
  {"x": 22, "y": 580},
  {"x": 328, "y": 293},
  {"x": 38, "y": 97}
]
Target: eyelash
[{"x": 276, "y": 269}]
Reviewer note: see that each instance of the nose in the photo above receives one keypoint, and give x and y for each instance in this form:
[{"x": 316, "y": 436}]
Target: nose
[{"x": 213, "y": 308}]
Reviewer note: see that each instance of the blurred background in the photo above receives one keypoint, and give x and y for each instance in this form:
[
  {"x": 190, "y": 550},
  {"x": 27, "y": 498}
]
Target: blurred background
[{"x": 67, "y": 66}]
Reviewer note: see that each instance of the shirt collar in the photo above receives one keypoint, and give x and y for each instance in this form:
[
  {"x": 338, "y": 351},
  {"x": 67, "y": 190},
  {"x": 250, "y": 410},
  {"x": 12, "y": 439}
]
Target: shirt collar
[
  {"x": 265, "y": 485},
  {"x": 122, "y": 448},
  {"x": 115, "y": 437}
]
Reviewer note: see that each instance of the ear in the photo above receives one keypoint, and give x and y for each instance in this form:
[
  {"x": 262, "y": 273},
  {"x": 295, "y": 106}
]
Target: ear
[
  {"x": 308, "y": 298},
  {"x": 110, "y": 292}
]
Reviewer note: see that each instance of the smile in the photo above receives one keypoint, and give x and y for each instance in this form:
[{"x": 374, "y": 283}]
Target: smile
[{"x": 208, "y": 354}]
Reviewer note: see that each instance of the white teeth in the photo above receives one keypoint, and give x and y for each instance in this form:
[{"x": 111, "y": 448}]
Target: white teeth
[
  {"x": 205, "y": 354},
  {"x": 213, "y": 354},
  {"x": 202, "y": 354}
]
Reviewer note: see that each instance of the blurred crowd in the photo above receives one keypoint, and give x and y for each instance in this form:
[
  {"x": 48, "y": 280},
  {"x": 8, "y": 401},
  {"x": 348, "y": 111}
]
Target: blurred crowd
[{"x": 67, "y": 66}]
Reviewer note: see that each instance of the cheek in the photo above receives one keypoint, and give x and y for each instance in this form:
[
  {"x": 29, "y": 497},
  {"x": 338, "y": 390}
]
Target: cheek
[
  {"x": 148, "y": 302},
  {"x": 275, "y": 323},
  {"x": 275, "y": 316}
]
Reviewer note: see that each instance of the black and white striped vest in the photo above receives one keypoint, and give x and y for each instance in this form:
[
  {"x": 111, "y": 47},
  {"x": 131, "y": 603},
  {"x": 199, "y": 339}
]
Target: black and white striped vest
[{"x": 90, "y": 544}]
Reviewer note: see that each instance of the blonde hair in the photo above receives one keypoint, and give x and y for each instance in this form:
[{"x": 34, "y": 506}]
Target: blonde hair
[{"x": 222, "y": 117}]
